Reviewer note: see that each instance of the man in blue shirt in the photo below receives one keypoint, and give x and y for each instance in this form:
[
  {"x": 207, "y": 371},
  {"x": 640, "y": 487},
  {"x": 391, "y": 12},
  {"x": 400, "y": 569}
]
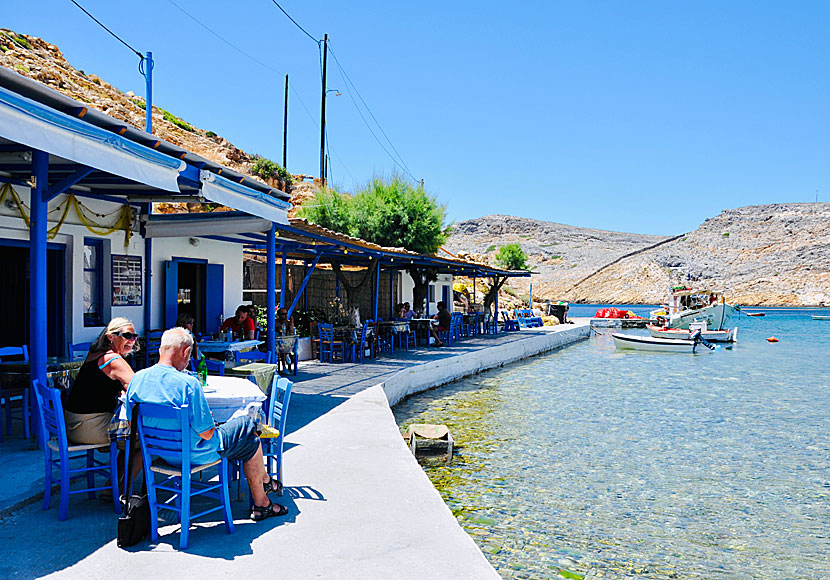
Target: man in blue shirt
[{"x": 165, "y": 384}]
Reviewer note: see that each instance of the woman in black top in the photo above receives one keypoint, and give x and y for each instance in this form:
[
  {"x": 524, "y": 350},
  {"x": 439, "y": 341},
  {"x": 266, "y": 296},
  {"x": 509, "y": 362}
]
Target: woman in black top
[{"x": 102, "y": 378}]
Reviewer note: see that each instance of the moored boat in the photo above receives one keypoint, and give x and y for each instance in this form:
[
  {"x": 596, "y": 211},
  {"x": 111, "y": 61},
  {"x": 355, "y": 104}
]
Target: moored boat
[
  {"x": 729, "y": 335},
  {"x": 651, "y": 344},
  {"x": 688, "y": 305},
  {"x": 821, "y": 317},
  {"x": 756, "y": 313}
]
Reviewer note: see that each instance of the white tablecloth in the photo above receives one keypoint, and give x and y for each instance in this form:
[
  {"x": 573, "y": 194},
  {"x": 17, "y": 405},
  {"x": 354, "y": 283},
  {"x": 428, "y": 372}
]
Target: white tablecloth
[
  {"x": 224, "y": 346},
  {"x": 229, "y": 396}
]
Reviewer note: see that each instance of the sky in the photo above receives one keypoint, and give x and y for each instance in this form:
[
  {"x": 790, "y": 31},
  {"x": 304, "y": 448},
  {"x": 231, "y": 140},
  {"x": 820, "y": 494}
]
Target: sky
[{"x": 636, "y": 116}]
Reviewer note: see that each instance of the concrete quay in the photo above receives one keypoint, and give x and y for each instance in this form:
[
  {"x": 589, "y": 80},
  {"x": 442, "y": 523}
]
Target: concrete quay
[{"x": 360, "y": 505}]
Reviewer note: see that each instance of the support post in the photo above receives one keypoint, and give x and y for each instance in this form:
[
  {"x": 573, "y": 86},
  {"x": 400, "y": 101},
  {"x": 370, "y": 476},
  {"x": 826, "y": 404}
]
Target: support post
[
  {"x": 305, "y": 294},
  {"x": 391, "y": 293},
  {"x": 283, "y": 280},
  {"x": 306, "y": 277},
  {"x": 148, "y": 276},
  {"x": 323, "y": 115},
  {"x": 285, "y": 128},
  {"x": 495, "y": 282},
  {"x": 271, "y": 289},
  {"x": 148, "y": 101},
  {"x": 376, "y": 290},
  {"x": 37, "y": 267}
]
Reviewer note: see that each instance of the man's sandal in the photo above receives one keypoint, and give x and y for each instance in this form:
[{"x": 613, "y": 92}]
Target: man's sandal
[
  {"x": 272, "y": 486},
  {"x": 259, "y": 513}
]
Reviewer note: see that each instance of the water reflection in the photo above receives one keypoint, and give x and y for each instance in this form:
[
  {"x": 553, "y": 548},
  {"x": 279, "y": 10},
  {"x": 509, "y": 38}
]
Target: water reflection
[{"x": 603, "y": 464}]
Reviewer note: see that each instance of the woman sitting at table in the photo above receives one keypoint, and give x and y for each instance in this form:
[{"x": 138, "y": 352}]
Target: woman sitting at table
[
  {"x": 103, "y": 377},
  {"x": 408, "y": 313},
  {"x": 241, "y": 324}
]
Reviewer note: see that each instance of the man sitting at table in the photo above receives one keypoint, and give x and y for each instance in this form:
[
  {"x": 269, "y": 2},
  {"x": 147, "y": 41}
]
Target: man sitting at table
[
  {"x": 241, "y": 324},
  {"x": 165, "y": 384},
  {"x": 444, "y": 317}
]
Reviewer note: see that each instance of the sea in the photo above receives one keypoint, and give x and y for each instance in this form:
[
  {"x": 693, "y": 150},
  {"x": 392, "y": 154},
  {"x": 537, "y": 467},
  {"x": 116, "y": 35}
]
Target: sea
[{"x": 592, "y": 463}]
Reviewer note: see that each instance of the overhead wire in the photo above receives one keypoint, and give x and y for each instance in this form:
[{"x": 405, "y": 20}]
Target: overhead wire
[
  {"x": 277, "y": 4},
  {"x": 346, "y": 79},
  {"x": 102, "y": 25}
]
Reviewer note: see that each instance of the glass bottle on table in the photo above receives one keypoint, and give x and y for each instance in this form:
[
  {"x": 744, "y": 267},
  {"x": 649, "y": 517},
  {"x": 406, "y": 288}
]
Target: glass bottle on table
[{"x": 202, "y": 371}]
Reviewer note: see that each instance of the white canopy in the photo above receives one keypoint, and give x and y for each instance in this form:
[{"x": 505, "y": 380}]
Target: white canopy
[{"x": 226, "y": 192}]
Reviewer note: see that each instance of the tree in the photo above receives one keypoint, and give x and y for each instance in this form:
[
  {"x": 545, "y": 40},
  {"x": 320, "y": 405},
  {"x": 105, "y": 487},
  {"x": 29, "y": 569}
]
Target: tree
[
  {"x": 389, "y": 212},
  {"x": 512, "y": 257}
]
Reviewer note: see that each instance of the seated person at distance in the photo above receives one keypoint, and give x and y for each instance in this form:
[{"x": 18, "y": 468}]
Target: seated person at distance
[
  {"x": 186, "y": 320},
  {"x": 408, "y": 313},
  {"x": 444, "y": 317},
  {"x": 165, "y": 384},
  {"x": 241, "y": 324}
]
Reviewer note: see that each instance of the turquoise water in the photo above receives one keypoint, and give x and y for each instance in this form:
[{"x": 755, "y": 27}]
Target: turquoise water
[{"x": 647, "y": 465}]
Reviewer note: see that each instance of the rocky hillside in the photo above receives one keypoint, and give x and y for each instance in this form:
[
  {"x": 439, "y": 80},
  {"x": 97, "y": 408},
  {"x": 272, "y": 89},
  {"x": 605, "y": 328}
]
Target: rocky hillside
[{"x": 759, "y": 255}]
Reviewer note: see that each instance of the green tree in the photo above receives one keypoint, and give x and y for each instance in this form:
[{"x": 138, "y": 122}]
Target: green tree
[
  {"x": 329, "y": 209},
  {"x": 512, "y": 257}
]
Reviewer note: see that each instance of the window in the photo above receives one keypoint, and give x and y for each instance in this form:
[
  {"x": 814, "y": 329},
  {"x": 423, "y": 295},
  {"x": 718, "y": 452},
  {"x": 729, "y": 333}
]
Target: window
[
  {"x": 431, "y": 296},
  {"x": 93, "y": 282}
]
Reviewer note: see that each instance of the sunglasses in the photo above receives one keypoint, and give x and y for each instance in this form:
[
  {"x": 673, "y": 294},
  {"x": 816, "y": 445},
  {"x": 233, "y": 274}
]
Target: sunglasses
[{"x": 127, "y": 335}]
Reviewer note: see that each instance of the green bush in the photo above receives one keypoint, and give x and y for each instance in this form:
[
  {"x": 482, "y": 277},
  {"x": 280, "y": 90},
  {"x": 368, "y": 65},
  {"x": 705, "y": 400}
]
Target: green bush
[
  {"x": 171, "y": 118},
  {"x": 726, "y": 235},
  {"x": 490, "y": 249},
  {"x": 512, "y": 257},
  {"x": 267, "y": 169},
  {"x": 210, "y": 134}
]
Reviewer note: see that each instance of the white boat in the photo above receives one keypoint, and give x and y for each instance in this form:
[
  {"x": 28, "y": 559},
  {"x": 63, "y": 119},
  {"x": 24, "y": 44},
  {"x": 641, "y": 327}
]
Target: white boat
[
  {"x": 730, "y": 335},
  {"x": 651, "y": 344},
  {"x": 688, "y": 305},
  {"x": 820, "y": 317}
]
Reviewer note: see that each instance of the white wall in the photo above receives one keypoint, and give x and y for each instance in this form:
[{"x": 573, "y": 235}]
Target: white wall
[
  {"x": 407, "y": 287},
  {"x": 72, "y": 234}
]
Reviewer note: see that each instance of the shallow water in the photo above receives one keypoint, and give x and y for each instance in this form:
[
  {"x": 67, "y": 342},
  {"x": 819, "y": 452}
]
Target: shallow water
[{"x": 623, "y": 464}]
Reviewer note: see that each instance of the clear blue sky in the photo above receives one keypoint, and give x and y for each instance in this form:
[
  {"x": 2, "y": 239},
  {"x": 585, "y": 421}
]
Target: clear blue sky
[{"x": 630, "y": 116}]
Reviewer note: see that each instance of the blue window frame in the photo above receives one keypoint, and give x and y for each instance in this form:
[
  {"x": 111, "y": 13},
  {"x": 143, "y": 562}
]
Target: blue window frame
[
  {"x": 93, "y": 282},
  {"x": 431, "y": 296}
]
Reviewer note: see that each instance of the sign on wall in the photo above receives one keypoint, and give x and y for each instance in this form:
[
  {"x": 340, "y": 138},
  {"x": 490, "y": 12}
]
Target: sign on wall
[{"x": 126, "y": 280}]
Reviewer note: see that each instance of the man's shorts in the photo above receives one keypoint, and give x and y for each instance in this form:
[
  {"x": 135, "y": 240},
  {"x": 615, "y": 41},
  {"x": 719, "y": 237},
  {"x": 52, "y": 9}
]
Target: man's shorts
[{"x": 239, "y": 439}]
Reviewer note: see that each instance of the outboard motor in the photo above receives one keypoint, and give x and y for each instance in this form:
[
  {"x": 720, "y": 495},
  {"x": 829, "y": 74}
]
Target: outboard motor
[{"x": 697, "y": 338}]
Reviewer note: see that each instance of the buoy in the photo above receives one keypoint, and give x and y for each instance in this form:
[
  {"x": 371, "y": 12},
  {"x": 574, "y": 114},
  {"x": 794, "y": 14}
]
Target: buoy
[{"x": 772, "y": 339}]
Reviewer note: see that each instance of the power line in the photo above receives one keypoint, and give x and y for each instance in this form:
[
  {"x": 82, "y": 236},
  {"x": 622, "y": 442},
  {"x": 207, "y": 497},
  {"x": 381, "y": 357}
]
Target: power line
[
  {"x": 348, "y": 80},
  {"x": 101, "y": 24},
  {"x": 294, "y": 21}
]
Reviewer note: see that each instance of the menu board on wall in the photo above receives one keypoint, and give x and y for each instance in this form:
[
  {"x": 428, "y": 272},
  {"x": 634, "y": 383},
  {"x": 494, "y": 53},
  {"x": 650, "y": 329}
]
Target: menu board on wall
[{"x": 126, "y": 280}]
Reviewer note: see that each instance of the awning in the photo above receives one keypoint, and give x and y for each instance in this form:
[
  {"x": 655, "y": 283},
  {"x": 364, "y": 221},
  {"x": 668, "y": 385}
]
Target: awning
[
  {"x": 40, "y": 127},
  {"x": 183, "y": 225},
  {"x": 224, "y": 191}
]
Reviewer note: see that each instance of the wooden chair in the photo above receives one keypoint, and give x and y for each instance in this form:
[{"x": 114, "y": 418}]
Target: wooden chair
[
  {"x": 328, "y": 346},
  {"x": 152, "y": 342},
  {"x": 77, "y": 348},
  {"x": 10, "y": 396}
]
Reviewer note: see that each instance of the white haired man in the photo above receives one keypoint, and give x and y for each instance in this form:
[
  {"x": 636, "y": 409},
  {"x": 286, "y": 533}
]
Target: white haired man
[{"x": 165, "y": 384}]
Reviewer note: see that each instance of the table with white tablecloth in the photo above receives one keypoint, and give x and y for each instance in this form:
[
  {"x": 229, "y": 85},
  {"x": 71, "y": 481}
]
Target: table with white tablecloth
[{"x": 228, "y": 396}]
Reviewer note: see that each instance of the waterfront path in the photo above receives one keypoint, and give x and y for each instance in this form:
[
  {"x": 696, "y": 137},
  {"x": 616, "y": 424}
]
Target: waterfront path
[{"x": 360, "y": 505}]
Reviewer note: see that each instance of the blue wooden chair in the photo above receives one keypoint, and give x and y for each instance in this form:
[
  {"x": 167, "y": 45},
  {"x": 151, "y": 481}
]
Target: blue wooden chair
[
  {"x": 366, "y": 343},
  {"x": 405, "y": 338},
  {"x": 10, "y": 396},
  {"x": 216, "y": 367},
  {"x": 57, "y": 453},
  {"x": 252, "y": 356},
  {"x": 448, "y": 336},
  {"x": 169, "y": 447},
  {"x": 277, "y": 415},
  {"x": 77, "y": 348},
  {"x": 152, "y": 342},
  {"x": 328, "y": 346}
]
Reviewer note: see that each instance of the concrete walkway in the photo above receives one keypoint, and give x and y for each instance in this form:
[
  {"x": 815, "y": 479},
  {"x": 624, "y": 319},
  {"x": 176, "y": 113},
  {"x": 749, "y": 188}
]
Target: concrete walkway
[{"x": 360, "y": 505}]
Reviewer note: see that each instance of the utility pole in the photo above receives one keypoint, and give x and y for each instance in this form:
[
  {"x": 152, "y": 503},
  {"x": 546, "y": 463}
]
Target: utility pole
[
  {"x": 148, "y": 101},
  {"x": 323, "y": 115},
  {"x": 285, "y": 128}
]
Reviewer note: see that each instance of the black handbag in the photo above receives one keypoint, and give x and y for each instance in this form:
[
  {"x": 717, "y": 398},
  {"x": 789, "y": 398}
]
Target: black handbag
[{"x": 134, "y": 523}]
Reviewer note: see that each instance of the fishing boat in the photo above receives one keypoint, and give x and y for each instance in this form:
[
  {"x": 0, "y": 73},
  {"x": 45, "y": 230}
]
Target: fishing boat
[
  {"x": 729, "y": 335},
  {"x": 688, "y": 305},
  {"x": 756, "y": 313},
  {"x": 651, "y": 344},
  {"x": 821, "y": 317}
]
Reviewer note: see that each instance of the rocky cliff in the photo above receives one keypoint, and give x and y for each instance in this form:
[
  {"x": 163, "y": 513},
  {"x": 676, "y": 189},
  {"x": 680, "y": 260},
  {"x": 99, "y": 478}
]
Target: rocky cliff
[{"x": 758, "y": 255}]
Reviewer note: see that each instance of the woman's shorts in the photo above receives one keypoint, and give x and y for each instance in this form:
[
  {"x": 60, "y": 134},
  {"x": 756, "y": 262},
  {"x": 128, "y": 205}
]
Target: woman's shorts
[
  {"x": 239, "y": 439},
  {"x": 87, "y": 428}
]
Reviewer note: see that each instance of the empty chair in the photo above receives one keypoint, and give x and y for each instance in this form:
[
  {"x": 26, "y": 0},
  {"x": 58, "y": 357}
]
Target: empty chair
[
  {"x": 169, "y": 447},
  {"x": 365, "y": 344},
  {"x": 277, "y": 414},
  {"x": 252, "y": 356},
  {"x": 328, "y": 346},
  {"x": 77, "y": 349},
  {"x": 151, "y": 350},
  {"x": 9, "y": 396},
  {"x": 58, "y": 452}
]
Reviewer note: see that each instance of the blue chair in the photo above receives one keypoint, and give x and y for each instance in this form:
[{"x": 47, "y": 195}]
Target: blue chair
[
  {"x": 328, "y": 346},
  {"x": 448, "y": 336},
  {"x": 169, "y": 447},
  {"x": 252, "y": 356},
  {"x": 77, "y": 348},
  {"x": 366, "y": 343},
  {"x": 277, "y": 414},
  {"x": 152, "y": 342},
  {"x": 8, "y": 396},
  {"x": 405, "y": 338},
  {"x": 53, "y": 433},
  {"x": 216, "y": 367}
]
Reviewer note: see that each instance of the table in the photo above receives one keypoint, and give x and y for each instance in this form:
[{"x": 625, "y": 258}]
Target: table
[
  {"x": 422, "y": 328},
  {"x": 223, "y": 346},
  {"x": 229, "y": 396},
  {"x": 287, "y": 344},
  {"x": 263, "y": 373},
  {"x": 394, "y": 328}
]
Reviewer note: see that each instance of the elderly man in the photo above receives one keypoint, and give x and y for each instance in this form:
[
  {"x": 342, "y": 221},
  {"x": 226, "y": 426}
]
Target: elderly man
[{"x": 165, "y": 384}]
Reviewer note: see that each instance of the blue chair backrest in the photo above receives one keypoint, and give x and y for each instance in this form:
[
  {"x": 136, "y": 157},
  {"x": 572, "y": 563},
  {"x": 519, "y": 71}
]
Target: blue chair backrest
[
  {"x": 326, "y": 332},
  {"x": 252, "y": 355},
  {"x": 78, "y": 347},
  {"x": 363, "y": 332},
  {"x": 50, "y": 417},
  {"x": 15, "y": 351},
  {"x": 170, "y": 442},
  {"x": 213, "y": 366},
  {"x": 278, "y": 405}
]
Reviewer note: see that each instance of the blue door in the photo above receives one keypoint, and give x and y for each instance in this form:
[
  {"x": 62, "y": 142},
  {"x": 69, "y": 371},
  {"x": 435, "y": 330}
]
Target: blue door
[
  {"x": 445, "y": 296},
  {"x": 214, "y": 297},
  {"x": 171, "y": 293}
]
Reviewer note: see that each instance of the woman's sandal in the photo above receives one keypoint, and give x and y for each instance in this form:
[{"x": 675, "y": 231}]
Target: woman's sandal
[{"x": 259, "y": 513}]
